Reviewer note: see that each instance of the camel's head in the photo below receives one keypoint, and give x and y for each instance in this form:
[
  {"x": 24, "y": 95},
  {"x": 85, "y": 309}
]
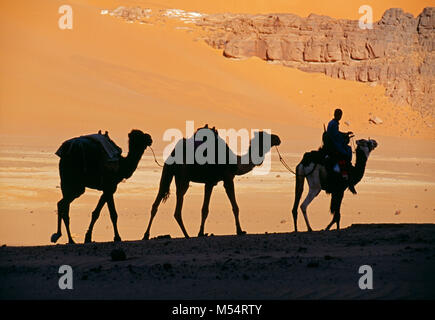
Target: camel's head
[
  {"x": 262, "y": 135},
  {"x": 367, "y": 145},
  {"x": 275, "y": 140},
  {"x": 139, "y": 139},
  {"x": 261, "y": 144}
]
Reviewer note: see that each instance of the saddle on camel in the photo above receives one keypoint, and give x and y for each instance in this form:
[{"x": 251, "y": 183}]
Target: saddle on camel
[{"x": 109, "y": 152}]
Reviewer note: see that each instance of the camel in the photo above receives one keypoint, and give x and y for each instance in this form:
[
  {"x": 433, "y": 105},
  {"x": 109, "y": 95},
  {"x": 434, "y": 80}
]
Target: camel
[
  {"x": 209, "y": 174},
  {"x": 319, "y": 179},
  {"x": 83, "y": 165}
]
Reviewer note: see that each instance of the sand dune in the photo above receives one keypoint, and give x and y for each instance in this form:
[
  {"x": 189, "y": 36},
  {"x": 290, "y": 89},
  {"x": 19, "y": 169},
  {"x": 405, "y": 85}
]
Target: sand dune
[{"x": 109, "y": 74}]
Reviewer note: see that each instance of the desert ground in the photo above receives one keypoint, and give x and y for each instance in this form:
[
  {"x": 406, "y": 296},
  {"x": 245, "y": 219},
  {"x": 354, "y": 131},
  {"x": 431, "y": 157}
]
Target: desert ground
[
  {"x": 319, "y": 265},
  {"x": 112, "y": 75}
]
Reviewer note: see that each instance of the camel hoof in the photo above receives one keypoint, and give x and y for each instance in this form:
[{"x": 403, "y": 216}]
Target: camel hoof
[
  {"x": 310, "y": 230},
  {"x": 71, "y": 241},
  {"x": 146, "y": 236},
  {"x": 55, "y": 237},
  {"x": 241, "y": 233},
  {"x": 117, "y": 239}
]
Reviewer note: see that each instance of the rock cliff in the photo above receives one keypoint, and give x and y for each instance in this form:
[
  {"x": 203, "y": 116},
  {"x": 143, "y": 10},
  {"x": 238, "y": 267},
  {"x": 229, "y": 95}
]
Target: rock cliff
[{"x": 398, "y": 52}]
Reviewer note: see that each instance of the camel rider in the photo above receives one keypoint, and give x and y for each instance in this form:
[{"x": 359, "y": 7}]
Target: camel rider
[{"x": 340, "y": 142}]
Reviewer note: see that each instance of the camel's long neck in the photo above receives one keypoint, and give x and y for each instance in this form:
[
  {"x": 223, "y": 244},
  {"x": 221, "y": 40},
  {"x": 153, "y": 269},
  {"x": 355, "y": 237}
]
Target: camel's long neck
[
  {"x": 245, "y": 163},
  {"x": 130, "y": 163},
  {"x": 360, "y": 166}
]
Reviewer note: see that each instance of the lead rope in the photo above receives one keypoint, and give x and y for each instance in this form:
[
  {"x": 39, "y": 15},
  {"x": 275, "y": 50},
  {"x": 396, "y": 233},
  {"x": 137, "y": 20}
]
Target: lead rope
[
  {"x": 283, "y": 162},
  {"x": 155, "y": 159}
]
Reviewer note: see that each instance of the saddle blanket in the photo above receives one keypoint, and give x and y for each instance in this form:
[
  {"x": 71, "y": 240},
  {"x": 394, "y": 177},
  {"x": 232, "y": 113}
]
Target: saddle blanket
[{"x": 111, "y": 150}]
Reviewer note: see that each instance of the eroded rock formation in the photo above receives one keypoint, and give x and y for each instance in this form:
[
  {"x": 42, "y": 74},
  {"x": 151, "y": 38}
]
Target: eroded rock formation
[{"x": 397, "y": 53}]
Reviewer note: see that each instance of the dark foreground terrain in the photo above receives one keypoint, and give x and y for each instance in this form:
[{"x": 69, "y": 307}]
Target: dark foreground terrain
[{"x": 318, "y": 265}]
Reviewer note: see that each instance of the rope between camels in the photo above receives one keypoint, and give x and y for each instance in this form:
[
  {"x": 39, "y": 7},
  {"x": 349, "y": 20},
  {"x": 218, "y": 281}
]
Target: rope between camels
[
  {"x": 155, "y": 159},
  {"x": 283, "y": 162}
]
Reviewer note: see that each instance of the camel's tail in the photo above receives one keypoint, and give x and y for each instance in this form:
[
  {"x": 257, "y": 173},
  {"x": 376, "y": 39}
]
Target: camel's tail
[{"x": 165, "y": 182}]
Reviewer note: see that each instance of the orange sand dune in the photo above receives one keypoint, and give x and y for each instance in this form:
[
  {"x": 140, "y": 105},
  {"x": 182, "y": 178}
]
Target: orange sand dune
[{"x": 109, "y": 74}]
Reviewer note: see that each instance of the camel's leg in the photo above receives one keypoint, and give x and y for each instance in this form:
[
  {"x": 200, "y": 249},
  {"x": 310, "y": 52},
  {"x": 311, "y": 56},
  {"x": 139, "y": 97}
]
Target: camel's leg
[
  {"x": 154, "y": 208},
  {"x": 337, "y": 219},
  {"x": 181, "y": 191},
  {"x": 63, "y": 211},
  {"x": 69, "y": 194},
  {"x": 95, "y": 216},
  {"x": 336, "y": 200},
  {"x": 113, "y": 216},
  {"x": 58, "y": 234},
  {"x": 229, "y": 188},
  {"x": 337, "y": 214},
  {"x": 208, "y": 188},
  {"x": 299, "y": 189},
  {"x": 312, "y": 193},
  {"x": 66, "y": 221}
]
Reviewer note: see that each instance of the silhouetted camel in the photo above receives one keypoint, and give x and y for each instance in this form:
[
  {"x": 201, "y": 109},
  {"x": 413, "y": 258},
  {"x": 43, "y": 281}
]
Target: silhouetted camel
[
  {"x": 317, "y": 177},
  {"x": 209, "y": 174},
  {"x": 83, "y": 165}
]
